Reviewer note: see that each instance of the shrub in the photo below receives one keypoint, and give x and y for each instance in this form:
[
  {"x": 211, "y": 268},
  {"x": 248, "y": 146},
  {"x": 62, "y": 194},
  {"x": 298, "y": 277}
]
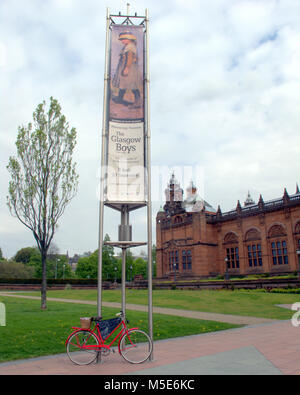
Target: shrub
[{"x": 15, "y": 270}]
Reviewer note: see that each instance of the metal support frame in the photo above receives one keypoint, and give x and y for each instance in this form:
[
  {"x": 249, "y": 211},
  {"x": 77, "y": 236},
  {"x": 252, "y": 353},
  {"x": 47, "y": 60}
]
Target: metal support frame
[{"x": 122, "y": 207}]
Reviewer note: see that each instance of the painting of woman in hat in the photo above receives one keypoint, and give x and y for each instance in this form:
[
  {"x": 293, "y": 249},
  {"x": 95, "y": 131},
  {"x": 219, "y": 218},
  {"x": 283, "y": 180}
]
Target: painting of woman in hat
[{"x": 127, "y": 81}]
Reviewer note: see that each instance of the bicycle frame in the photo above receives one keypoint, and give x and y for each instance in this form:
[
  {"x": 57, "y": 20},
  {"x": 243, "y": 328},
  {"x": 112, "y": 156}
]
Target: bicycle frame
[{"x": 97, "y": 333}]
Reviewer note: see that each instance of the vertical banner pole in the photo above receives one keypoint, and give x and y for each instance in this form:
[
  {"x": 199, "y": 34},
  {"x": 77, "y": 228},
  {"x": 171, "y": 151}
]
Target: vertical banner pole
[
  {"x": 126, "y": 139},
  {"x": 149, "y": 205},
  {"x": 124, "y": 281},
  {"x": 103, "y": 163},
  {"x": 124, "y": 221}
]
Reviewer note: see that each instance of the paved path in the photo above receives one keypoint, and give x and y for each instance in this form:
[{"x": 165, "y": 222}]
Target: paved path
[
  {"x": 232, "y": 319},
  {"x": 265, "y": 349}
]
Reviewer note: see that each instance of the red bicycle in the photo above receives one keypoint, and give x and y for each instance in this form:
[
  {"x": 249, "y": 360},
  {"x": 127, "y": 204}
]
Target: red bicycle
[{"x": 85, "y": 345}]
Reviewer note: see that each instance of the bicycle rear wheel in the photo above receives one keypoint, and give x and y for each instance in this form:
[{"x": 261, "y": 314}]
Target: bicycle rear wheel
[
  {"x": 83, "y": 347},
  {"x": 136, "y": 346}
]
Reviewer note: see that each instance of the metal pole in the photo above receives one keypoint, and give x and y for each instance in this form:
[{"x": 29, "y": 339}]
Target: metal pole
[
  {"x": 149, "y": 205},
  {"x": 124, "y": 221},
  {"x": 103, "y": 164}
]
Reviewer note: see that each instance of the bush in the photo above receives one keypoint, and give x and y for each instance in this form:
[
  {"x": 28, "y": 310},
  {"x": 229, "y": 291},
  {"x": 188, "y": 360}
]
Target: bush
[
  {"x": 285, "y": 290},
  {"x": 53, "y": 281},
  {"x": 15, "y": 270}
]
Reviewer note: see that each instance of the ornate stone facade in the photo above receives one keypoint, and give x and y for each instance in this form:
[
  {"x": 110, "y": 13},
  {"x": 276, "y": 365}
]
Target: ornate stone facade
[{"x": 193, "y": 239}]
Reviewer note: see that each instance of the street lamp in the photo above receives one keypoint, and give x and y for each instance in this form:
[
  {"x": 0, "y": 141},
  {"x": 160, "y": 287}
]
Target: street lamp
[
  {"x": 57, "y": 261},
  {"x": 226, "y": 276},
  {"x": 174, "y": 266},
  {"x": 298, "y": 253},
  {"x": 130, "y": 267},
  {"x": 116, "y": 274}
]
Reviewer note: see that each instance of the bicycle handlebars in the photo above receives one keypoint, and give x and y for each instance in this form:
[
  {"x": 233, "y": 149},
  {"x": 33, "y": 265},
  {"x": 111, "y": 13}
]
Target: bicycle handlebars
[{"x": 100, "y": 318}]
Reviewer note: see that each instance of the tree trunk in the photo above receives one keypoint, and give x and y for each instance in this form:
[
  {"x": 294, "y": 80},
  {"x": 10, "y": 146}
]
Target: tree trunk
[{"x": 44, "y": 281}]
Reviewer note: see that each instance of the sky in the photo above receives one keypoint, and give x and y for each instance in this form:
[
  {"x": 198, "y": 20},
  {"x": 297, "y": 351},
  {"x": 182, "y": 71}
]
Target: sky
[{"x": 224, "y": 101}]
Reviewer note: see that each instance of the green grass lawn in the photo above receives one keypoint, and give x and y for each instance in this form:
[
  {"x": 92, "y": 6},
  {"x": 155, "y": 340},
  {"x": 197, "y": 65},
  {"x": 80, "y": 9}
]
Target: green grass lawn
[
  {"x": 238, "y": 302},
  {"x": 31, "y": 332}
]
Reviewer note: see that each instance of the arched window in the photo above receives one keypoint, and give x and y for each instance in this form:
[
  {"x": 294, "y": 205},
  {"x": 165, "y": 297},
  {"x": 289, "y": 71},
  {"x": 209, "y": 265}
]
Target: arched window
[
  {"x": 278, "y": 244},
  {"x": 253, "y": 245},
  {"x": 279, "y": 252},
  {"x": 297, "y": 227},
  {"x": 232, "y": 255},
  {"x": 232, "y": 250},
  {"x": 297, "y": 232},
  {"x": 254, "y": 255}
]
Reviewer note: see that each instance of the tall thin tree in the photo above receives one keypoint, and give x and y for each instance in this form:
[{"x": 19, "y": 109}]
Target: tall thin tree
[{"x": 43, "y": 177}]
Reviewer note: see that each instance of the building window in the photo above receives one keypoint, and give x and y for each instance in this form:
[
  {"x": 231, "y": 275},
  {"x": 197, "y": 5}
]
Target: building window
[
  {"x": 254, "y": 255},
  {"x": 279, "y": 253},
  {"x": 187, "y": 260},
  {"x": 173, "y": 260},
  {"x": 233, "y": 260},
  {"x": 184, "y": 260}
]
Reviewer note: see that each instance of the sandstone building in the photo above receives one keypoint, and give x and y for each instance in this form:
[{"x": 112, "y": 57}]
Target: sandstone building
[{"x": 194, "y": 239}]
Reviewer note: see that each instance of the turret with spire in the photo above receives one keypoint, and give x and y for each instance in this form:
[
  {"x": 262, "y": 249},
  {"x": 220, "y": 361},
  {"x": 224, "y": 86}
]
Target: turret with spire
[
  {"x": 286, "y": 197},
  {"x": 173, "y": 192},
  {"x": 239, "y": 208},
  {"x": 249, "y": 200},
  {"x": 261, "y": 203}
]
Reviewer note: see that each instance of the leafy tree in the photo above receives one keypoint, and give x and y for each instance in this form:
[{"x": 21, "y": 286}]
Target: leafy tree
[
  {"x": 1, "y": 255},
  {"x": 57, "y": 266},
  {"x": 43, "y": 177},
  {"x": 139, "y": 267},
  {"x": 24, "y": 254},
  {"x": 87, "y": 267},
  {"x": 108, "y": 260}
]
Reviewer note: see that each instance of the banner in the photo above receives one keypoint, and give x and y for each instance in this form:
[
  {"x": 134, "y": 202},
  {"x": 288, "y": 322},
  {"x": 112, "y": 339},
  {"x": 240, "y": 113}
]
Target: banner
[
  {"x": 125, "y": 155},
  {"x": 125, "y": 170}
]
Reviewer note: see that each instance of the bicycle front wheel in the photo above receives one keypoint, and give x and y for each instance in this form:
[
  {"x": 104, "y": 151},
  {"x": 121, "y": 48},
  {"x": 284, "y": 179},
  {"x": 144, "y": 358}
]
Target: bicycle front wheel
[
  {"x": 82, "y": 347},
  {"x": 136, "y": 346}
]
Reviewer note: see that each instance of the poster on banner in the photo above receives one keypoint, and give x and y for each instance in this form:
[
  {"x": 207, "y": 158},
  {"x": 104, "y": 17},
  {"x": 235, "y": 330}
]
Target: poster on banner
[
  {"x": 125, "y": 171},
  {"x": 126, "y": 101}
]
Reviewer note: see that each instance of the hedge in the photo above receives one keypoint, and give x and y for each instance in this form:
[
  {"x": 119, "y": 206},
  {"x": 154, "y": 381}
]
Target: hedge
[{"x": 50, "y": 281}]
